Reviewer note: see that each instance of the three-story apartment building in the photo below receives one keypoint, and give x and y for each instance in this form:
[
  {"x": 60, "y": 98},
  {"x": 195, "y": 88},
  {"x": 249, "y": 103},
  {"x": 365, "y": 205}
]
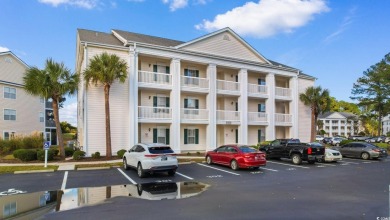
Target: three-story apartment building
[
  {"x": 194, "y": 96},
  {"x": 22, "y": 113},
  {"x": 339, "y": 123}
]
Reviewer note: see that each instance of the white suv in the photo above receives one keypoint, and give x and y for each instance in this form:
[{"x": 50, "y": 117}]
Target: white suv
[{"x": 150, "y": 158}]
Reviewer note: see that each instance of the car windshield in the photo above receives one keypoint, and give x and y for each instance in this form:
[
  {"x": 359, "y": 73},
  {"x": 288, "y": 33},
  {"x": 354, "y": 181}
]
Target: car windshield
[
  {"x": 247, "y": 149},
  {"x": 160, "y": 150}
]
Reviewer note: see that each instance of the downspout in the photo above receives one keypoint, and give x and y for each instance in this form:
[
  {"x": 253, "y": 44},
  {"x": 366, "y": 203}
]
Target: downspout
[{"x": 85, "y": 106}]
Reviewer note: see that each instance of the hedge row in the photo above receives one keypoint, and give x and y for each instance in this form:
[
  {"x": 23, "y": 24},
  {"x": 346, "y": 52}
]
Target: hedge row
[
  {"x": 39, "y": 154},
  {"x": 34, "y": 141}
]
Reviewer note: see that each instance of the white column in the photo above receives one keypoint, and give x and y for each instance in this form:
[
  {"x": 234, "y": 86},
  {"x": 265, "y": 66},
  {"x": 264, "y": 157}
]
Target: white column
[
  {"x": 346, "y": 128},
  {"x": 330, "y": 128},
  {"x": 212, "y": 107},
  {"x": 243, "y": 107},
  {"x": 270, "y": 107},
  {"x": 85, "y": 104},
  {"x": 175, "y": 105},
  {"x": 293, "y": 85},
  {"x": 339, "y": 124},
  {"x": 133, "y": 96}
]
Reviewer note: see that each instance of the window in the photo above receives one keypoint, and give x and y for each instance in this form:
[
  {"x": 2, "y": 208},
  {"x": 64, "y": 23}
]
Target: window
[
  {"x": 261, "y": 82},
  {"x": 161, "y": 135},
  {"x": 193, "y": 104},
  {"x": 41, "y": 100},
  {"x": 8, "y": 135},
  {"x": 160, "y": 68},
  {"x": 9, "y": 209},
  {"x": 192, "y": 76},
  {"x": 42, "y": 200},
  {"x": 191, "y": 136},
  {"x": 261, "y": 107},
  {"x": 41, "y": 117},
  {"x": 9, "y": 115},
  {"x": 9, "y": 93},
  {"x": 162, "y": 104}
]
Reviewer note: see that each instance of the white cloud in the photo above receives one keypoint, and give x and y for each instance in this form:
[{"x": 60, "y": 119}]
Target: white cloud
[
  {"x": 267, "y": 17},
  {"x": 88, "y": 4},
  {"x": 69, "y": 113},
  {"x": 176, "y": 4},
  {"x": 348, "y": 20},
  {"x": 4, "y": 49}
]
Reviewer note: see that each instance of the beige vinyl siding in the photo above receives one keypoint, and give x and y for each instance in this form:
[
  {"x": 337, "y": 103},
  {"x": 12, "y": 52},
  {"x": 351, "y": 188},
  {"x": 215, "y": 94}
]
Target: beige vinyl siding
[
  {"x": 146, "y": 136},
  {"x": 225, "y": 135},
  {"x": 226, "y": 103},
  {"x": 304, "y": 112},
  {"x": 202, "y": 138},
  {"x": 253, "y": 78},
  {"x": 21, "y": 205},
  {"x": 119, "y": 115},
  {"x": 11, "y": 71},
  {"x": 253, "y": 105},
  {"x": 226, "y": 74},
  {"x": 282, "y": 107},
  {"x": 228, "y": 48},
  {"x": 252, "y": 134},
  {"x": 146, "y": 63}
]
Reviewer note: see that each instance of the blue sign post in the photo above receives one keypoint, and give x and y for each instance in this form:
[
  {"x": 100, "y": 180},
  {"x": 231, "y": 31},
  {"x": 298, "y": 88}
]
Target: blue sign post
[{"x": 46, "y": 146}]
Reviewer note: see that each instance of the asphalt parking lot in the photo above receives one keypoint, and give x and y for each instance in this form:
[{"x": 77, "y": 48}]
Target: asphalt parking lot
[{"x": 352, "y": 188}]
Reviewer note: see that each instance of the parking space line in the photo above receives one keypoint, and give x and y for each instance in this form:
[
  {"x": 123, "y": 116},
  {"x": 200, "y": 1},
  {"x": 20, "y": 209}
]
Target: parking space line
[
  {"x": 126, "y": 176},
  {"x": 288, "y": 165},
  {"x": 184, "y": 176},
  {"x": 219, "y": 169},
  {"x": 64, "y": 181},
  {"x": 345, "y": 162},
  {"x": 325, "y": 164},
  {"x": 268, "y": 169}
]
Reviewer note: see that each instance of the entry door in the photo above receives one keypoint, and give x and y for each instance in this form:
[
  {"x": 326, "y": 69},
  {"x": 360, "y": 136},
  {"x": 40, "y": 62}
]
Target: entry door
[{"x": 48, "y": 136}]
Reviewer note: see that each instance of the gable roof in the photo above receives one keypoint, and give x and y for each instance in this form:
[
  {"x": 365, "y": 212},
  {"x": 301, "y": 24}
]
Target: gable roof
[
  {"x": 147, "y": 39},
  {"x": 344, "y": 114},
  {"x": 16, "y": 57},
  {"x": 98, "y": 37}
]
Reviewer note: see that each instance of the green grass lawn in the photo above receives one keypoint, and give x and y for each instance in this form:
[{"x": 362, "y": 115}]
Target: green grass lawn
[{"x": 11, "y": 169}]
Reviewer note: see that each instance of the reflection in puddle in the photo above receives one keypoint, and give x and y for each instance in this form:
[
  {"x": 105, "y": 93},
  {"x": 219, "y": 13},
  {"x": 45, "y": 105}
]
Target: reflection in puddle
[{"x": 34, "y": 205}]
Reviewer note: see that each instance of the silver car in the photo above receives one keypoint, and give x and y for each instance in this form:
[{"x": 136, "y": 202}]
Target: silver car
[{"x": 362, "y": 150}]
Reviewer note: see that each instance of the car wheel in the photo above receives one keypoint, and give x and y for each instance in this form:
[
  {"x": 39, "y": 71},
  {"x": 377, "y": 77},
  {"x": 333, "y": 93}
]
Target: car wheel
[
  {"x": 139, "y": 189},
  {"x": 296, "y": 159},
  {"x": 311, "y": 161},
  {"x": 125, "y": 166},
  {"x": 365, "y": 156},
  {"x": 234, "y": 165},
  {"x": 140, "y": 171},
  {"x": 320, "y": 160},
  {"x": 171, "y": 172},
  {"x": 208, "y": 160}
]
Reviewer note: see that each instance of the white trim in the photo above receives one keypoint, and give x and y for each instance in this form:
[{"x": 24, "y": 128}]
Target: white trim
[
  {"x": 16, "y": 95},
  {"x": 12, "y": 110}
]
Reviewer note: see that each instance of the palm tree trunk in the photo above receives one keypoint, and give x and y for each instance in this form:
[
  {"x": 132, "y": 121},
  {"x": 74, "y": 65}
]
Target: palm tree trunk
[
  {"x": 313, "y": 125},
  {"x": 108, "y": 125},
  {"x": 58, "y": 128}
]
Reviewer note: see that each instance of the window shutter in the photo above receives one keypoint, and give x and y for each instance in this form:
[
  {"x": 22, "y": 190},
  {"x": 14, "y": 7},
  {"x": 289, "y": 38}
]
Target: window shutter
[
  {"x": 167, "y": 69},
  {"x": 196, "y": 103},
  {"x": 258, "y": 136},
  {"x": 167, "y": 102},
  {"x": 154, "y": 135},
  {"x": 185, "y": 136},
  {"x": 185, "y": 72},
  {"x": 196, "y": 136},
  {"x": 236, "y": 106},
  {"x": 155, "y": 68},
  {"x": 185, "y": 103},
  {"x": 259, "y": 108},
  {"x": 236, "y": 136},
  {"x": 166, "y": 136},
  {"x": 197, "y": 73},
  {"x": 154, "y": 101}
]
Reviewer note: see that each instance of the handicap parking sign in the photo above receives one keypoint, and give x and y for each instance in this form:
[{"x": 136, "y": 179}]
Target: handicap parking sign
[{"x": 46, "y": 145}]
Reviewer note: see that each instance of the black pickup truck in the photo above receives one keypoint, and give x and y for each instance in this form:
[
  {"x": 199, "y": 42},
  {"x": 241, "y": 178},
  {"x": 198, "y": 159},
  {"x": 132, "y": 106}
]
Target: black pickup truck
[{"x": 293, "y": 149}]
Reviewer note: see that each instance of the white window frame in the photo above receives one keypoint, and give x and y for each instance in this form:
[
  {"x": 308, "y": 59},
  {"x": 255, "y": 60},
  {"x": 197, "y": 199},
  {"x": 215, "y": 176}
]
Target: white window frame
[
  {"x": 161, "y": 68},
  {"x": 9, "y": 88},
  {"x": 191, "y": 102},
  {"x": 41, "y": 117},
  {"x": 161, "y": 133},
  {"x": 192, "y": 136},
  {"x": 9, "y": 209},
  {"x": 10, "y": 115},
  {"x": 11, "y": 134}
]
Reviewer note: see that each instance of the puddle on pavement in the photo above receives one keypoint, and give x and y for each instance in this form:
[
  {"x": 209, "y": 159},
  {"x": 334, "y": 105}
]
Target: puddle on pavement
[{"x": 23, "y": 205}]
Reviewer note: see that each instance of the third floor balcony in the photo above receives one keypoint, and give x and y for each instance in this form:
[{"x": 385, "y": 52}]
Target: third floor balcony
[
  {"x": 255, "y": 90},
  {"x": 283, "y": 93},
  {"x": 257, "y": 118},
  {"x": 148, "y": 79},
  {"x": 283, "y": 119},
  {"x": 153, "y": 114},
  {"x": 194, "y": 84},
  {"x": 228, "y": 87}
]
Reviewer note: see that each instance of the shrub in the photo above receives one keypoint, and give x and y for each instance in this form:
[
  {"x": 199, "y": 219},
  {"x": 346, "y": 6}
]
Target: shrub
[
  {"x": 255, "y": 146},
  {"x": 25, "y": 154},
  {"x": 68, "y": 136},
  {"x": 41, "y": 155},
  {"x": 383, "y": 145},
  {"x": 346, "y": 142},
  {"x": 198, "y": 153},
  {"x": 69, "y": 151},
  {"x": 96, "y": 155},
  {"x": 264, "y": 143},
  {"x": 120, "y": 153},
  {"x": 78, "y": 155},
  {"x": 34, "y": 141},
  {"x": 54, "y": 150}
]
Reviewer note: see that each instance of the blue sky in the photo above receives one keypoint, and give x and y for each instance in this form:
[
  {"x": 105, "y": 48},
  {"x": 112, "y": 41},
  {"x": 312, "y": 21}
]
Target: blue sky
[{"x": 332, "y": 40}]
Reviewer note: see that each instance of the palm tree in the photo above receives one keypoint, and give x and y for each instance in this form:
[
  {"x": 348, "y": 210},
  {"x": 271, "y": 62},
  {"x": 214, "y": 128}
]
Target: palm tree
[
  {"x": 105, "y": 69},
  {"x": 54, "y": 81},
  {"x": 319, "y": 102}
]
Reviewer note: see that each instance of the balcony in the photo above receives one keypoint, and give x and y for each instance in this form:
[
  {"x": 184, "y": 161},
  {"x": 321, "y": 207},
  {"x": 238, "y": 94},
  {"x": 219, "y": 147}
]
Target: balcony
[
  {"x": 255, "y": 90},
  {"x": 154, "y": 114},
  {"x": 283, "y": 93},
  {"x": 228, "y": 87},
  {"x": 154, "y": 80},
  {"x": 283, "y": 119},
  {"x": 257, "y": 118},
  {"x": 194, "y": 84},
  {"x": 194, "y": 116},
  {"x": 228, "y": 117}
]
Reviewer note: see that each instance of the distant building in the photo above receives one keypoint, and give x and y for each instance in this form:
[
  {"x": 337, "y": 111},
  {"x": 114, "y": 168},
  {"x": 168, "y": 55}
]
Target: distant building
[
  {"x": 339, "y": 123},
  {"x": 22, "y": 114},
  {"x": 386, "y": 124}
]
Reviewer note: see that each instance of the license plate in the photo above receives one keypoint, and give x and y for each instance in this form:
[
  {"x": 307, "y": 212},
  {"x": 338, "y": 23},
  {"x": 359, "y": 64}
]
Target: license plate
[{"x": 164, "y": 158}]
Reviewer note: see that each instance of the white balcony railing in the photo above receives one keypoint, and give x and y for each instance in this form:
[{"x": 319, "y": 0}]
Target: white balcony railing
[
  {"x": 228, "y": 85},
  {"x": 194, "y": 114},
  {"x": 257, "y": 117},
  {"x": 283, "y": 118},
  {"x": 257, "y": 89},
  {"x": 147, "y": 112},
  {"x": 194, "y": 82},
  {"x": 283, "y": 92},
  {"x": 228, "y": 116},
  {"x": 155, "y": 78}
]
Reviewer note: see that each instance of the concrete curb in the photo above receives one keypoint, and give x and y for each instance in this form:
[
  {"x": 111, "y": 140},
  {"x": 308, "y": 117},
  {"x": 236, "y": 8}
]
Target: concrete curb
[
  {"x": 34, "y": 171},
  {"x": 93, "y": 168}
]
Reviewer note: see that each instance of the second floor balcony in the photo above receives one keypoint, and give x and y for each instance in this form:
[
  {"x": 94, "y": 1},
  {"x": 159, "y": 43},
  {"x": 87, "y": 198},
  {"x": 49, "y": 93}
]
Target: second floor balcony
[
  {"x": 255, "y": 90},
  {"x": 255, "y": 118},
  {"x": 197, "y": 116},
  {"x": 147, "y": 113},
  {"x": 228, "y": 117},
  {"x": 283, "y": 93},
  {"x": 228, "y": 87},
  {"x": 194, "y": 84},
  {"x": 283, "y": 119},
  {"x": 154, "y": 80}
]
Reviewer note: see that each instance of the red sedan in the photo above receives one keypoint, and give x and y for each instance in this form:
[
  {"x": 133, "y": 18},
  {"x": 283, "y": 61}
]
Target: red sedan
[{"x": 236, "y": 156}]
